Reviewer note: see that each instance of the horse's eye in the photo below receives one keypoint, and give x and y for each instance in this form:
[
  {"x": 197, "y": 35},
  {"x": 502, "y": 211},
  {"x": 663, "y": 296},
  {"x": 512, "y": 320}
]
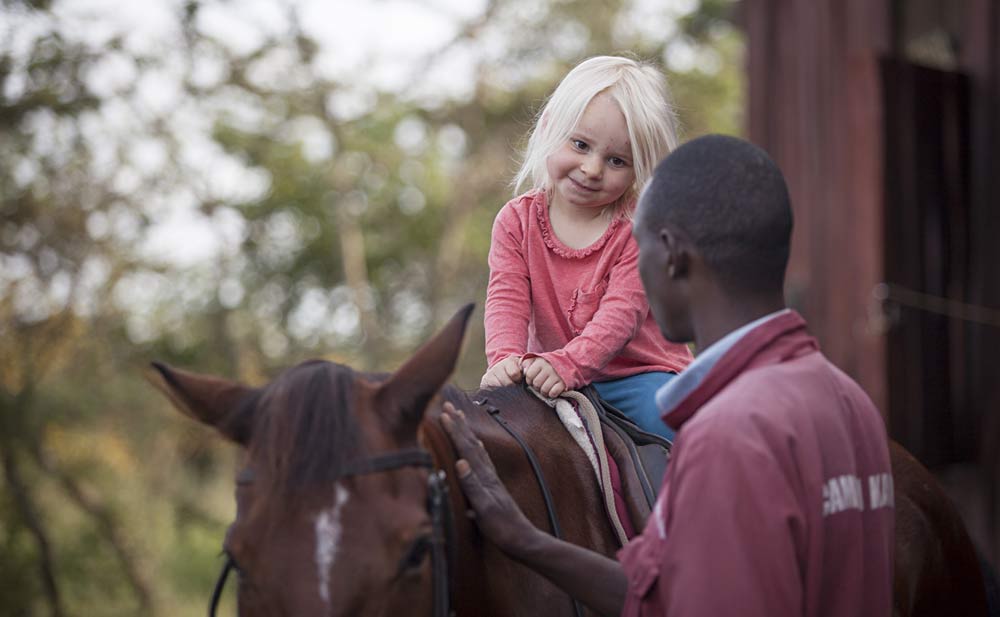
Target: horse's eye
[{"x": 415, "y": 554}]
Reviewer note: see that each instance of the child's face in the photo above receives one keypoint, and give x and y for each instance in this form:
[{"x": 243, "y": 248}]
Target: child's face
[{"x": 593, "y": 168}]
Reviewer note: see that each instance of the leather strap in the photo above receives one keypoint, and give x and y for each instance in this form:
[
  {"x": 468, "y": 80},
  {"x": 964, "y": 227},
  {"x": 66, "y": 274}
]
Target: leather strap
[
  {"x": 537, "y": 469},
  {"x": 437, "y": 505},
  {"x": 220, "y": 584},
  {"x": 414, "y": 457}
]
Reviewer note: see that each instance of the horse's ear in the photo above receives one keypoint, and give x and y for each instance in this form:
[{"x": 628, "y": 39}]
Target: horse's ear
[
  {"x": 208, "y": 399},
  {"x": 404, "y": 397}
]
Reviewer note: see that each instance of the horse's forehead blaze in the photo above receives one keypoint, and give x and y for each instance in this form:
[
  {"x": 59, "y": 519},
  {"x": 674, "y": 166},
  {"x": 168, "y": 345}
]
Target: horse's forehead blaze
[
  {"x": 337, "y": 521},
  {"x": 329, "y": 532}
]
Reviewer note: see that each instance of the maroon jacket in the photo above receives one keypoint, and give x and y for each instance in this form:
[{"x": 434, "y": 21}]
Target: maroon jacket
[{"x": 778, "y": 498}]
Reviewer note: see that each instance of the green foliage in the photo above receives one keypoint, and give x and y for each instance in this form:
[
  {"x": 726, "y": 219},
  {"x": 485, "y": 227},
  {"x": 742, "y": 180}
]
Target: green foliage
[
  {"x": 350, "y": 237},
  {"x": 19, "y": 584}
]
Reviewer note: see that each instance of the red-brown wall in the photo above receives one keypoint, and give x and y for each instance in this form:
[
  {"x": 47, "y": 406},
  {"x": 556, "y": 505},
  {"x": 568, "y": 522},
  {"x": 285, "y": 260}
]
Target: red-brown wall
[
  {"x": 816, "y": 103},
  {"x": 815, "y": 106}
]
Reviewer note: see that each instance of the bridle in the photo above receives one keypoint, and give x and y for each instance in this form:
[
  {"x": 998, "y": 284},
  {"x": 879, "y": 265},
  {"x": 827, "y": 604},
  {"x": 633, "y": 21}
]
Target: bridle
[{"x": 437, "y": 506}]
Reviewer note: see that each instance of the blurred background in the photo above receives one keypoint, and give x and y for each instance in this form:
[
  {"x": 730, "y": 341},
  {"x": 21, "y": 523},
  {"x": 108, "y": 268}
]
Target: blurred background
[{"x": 236, "y": 186}]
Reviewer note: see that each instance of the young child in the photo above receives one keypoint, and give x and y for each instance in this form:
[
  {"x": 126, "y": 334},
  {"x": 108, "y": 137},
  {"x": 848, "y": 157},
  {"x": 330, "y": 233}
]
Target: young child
[{"x": 565, "y": 306}]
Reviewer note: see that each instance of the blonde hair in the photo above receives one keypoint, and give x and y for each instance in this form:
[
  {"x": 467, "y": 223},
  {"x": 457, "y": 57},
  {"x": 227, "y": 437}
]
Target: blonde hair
[{"x": 638, "y": 88}]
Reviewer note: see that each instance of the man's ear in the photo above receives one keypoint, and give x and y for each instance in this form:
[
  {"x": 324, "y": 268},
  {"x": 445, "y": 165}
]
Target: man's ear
[{"x": 677, "y": 249}]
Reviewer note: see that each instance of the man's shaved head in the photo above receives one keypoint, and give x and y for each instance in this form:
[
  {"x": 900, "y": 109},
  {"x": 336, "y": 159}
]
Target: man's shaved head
[{"x": 729, "y": 198}]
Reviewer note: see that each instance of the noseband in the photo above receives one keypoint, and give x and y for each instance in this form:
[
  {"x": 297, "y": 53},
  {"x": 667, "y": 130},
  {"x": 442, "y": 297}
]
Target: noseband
[{"x": 437, "y": 507}]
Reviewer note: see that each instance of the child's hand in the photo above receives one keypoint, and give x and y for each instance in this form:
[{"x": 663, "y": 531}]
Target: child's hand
[
  {"x": 540, "y": 374},
  {"x": 503, "y": 373}
]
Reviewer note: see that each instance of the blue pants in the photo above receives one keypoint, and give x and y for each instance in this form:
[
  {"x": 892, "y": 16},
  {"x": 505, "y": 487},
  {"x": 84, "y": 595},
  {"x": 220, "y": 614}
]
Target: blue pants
[{"x": 635, "y": 396}]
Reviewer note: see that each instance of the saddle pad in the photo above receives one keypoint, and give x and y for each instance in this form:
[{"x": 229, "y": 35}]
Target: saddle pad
[{"x": 580, "y": 418}]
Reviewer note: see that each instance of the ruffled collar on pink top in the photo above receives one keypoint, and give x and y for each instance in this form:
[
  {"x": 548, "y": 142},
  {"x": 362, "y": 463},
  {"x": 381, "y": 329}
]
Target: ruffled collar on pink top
[{"x": 555, "y": 244}]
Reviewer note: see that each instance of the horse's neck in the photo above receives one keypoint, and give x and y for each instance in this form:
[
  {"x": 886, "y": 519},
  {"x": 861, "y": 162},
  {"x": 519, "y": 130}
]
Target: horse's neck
[
  {"x": 482, "y": 572},
  {"x": 564, "y": 466},
  {"x": 576, "y": 502}
]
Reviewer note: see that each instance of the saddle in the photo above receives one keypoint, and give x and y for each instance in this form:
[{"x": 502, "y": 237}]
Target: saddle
[
  {"x": 649, "y": 453},
  {"x": 629, "y": 463}
]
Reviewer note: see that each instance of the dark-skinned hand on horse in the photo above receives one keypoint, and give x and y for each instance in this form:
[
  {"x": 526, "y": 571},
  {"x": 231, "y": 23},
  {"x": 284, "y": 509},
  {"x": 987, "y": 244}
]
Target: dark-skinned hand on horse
[{"x": 596, "y": 580}]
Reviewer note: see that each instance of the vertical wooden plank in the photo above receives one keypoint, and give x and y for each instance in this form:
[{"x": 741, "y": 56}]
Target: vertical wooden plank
[
  {"x": 815, "y": 105},
  {"x": 980, "y": 57}
]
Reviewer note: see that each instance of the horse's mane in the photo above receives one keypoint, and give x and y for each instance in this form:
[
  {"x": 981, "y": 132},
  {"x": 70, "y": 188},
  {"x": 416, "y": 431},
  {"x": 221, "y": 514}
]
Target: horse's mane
[{"x": 304, "y": 432}]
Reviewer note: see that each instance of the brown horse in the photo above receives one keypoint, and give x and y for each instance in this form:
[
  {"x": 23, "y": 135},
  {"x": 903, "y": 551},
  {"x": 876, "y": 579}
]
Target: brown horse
[
  {"x": 313, "y": 536},
  {"x": 937, "y": 571}
]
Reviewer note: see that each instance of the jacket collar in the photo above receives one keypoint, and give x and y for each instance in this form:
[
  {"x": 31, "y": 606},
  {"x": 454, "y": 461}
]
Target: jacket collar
[{"x": 774, "y": 339}]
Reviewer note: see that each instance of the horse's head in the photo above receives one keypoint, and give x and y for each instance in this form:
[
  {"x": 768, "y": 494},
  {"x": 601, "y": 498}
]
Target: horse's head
[{"x": 319, "y": 529}]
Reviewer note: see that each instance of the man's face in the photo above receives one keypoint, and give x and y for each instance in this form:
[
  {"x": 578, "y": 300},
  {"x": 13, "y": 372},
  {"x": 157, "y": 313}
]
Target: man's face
[{"x": 666, "y": 292}]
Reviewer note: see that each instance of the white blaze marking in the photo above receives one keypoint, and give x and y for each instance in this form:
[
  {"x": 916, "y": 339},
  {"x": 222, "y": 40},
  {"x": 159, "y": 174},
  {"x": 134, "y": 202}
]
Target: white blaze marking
[{"x": 328, "y": 532}]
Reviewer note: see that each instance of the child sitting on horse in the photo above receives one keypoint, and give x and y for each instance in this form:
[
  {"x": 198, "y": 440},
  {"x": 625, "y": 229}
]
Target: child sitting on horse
[{"x": 565, "y": 306}]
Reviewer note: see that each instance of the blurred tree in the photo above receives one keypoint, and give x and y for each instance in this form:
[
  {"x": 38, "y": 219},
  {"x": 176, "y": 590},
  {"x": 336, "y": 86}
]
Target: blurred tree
[
  {"x": 345, "y": 221},
  {"x": 58, "y": 260},
  {"x": 364, "y": 235}
]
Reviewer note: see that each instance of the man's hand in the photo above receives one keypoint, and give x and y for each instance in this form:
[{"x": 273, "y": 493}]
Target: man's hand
[
  {"x": 503, "y": 373},
  {"x": 596, "y": 580},
  {"x": 540, "y": 374},
  {"x": 498, "y": 516}
]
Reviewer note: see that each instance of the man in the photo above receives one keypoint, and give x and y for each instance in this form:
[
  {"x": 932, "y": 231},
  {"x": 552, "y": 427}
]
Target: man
[{"x": 778, "y": 498}]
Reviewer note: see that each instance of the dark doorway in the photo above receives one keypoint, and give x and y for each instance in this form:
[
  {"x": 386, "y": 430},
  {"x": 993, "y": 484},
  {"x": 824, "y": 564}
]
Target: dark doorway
[{"x": 927, "y": 258}]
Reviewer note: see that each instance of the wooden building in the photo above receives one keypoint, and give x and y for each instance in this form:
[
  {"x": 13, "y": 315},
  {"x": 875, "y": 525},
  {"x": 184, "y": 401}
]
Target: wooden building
[{"x": 885, "y": 117}]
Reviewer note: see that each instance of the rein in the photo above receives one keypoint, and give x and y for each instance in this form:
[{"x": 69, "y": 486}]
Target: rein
[
  {"x": 437, "y": 507},
  {"x": 550, "y": 509}
]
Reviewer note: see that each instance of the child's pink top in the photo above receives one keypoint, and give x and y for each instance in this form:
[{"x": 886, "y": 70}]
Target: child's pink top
[{"x": 582, "y": 310}]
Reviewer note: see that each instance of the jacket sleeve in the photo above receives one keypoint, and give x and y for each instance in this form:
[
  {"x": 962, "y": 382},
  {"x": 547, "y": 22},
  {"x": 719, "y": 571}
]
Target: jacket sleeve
[
  {"x": 508, "y": 294},
  {"x": 618, "y": 318},
  {"x": 732, "y": 525}
]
